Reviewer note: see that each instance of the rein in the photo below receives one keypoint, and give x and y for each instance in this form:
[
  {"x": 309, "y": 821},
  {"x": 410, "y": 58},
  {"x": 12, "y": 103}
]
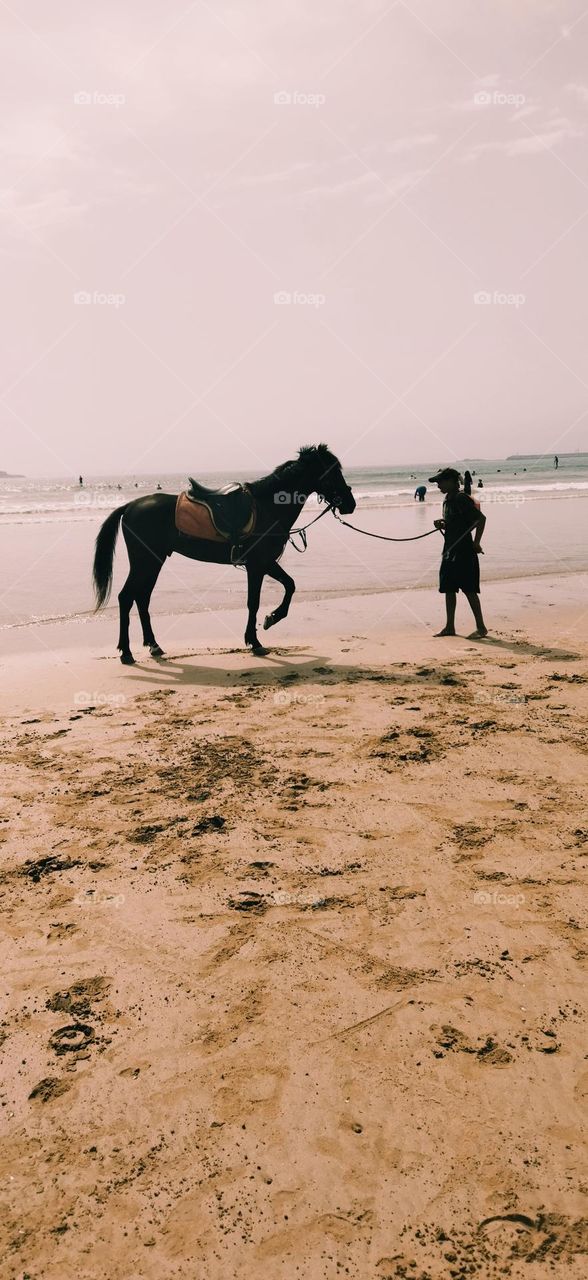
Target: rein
[{"x": 302, "y": 532}]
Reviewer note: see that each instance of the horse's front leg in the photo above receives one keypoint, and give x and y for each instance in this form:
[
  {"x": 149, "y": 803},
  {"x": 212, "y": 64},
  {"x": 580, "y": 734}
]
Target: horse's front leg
[
  {"x": 255, "y": 577},
  {"x": 275, "y": 571}
]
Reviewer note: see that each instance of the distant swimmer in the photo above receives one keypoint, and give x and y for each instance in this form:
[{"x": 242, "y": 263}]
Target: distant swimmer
[
  {"x": 467, "y": 482},
  {"x": 480, "y": 483},
  {"x": 81, "y": 480},
  {"x": 556, "y": 462},
  {"x": 420, "y": 492}
]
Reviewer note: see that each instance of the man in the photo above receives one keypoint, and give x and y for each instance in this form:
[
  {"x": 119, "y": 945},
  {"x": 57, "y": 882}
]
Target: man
[
  {"x": 420, "y": 492},
  {"x": 460, "y": 569}
]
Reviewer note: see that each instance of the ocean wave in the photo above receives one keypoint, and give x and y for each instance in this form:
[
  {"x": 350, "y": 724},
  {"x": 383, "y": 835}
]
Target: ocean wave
[{"x": 93, "y": 506}]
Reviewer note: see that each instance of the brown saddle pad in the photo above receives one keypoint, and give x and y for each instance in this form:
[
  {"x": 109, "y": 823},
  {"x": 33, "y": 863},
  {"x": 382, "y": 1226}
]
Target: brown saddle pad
[{"x": 194, "y": 519}]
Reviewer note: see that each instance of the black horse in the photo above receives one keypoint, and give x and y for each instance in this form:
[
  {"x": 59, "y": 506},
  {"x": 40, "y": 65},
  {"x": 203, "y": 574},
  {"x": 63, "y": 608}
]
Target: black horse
[{"x": 150, "y": 532}]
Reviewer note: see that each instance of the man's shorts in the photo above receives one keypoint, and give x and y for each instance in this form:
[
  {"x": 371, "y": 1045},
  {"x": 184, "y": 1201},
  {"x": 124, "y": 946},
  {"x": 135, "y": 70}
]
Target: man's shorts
[{"x": 461, "y": 573}]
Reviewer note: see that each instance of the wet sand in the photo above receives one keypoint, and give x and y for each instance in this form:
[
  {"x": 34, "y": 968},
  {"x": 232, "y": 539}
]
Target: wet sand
[{"x": 292, "y": 953}]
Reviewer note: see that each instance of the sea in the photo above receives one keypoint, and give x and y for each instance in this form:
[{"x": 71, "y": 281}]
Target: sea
[{"x": 537, "y": 524}]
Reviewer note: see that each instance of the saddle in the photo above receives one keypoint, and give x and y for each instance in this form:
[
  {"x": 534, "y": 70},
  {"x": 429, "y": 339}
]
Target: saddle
[{"x": 218, "y": 515}]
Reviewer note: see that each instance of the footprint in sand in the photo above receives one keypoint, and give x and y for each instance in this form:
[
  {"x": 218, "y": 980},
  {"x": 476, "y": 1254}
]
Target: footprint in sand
[
  {"x": 48, "y": 1088},
  {"x": 449, "y": 1039},
  {"x": 77, "y": 999},
  {"x": 74, "y": 1038}
]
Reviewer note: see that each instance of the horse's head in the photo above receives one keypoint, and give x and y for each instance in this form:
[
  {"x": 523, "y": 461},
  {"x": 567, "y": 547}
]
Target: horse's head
[{"x": 325, "y": 477}]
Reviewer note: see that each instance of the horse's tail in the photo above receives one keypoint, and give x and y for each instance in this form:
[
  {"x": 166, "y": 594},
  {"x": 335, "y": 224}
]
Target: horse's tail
[{"x": 104, "y": 555}]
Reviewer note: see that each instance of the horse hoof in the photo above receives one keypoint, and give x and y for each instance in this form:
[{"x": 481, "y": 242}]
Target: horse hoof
[
  {"x": 127, "y": 659},
  {"x": 268, "y": 622},
  {"x": 156, "y": 651},
  {"x": 259, "y": 651}
]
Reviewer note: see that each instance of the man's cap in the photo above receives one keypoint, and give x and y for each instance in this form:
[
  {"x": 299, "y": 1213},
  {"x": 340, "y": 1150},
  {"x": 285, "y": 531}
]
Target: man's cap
[{"x": 446, "y": 473}]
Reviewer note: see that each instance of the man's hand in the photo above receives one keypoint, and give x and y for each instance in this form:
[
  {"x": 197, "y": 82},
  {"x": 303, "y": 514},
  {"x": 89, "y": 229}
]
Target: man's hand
[
  {"x": 478, "y": 549},
  {"x": 439, "y": 524}
]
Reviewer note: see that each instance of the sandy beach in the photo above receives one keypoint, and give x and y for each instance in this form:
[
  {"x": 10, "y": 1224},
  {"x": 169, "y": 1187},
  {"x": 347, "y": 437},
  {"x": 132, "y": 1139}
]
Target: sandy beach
[{"x": 292, "y": 950}]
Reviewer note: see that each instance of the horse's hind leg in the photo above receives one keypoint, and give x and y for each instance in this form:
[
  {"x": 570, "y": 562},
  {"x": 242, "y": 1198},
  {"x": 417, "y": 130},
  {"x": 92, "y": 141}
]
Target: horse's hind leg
[
  {"x": 125, "y": 603},
  {"x": 143, "y": 595},
  {"x": 275, "y": 571}
]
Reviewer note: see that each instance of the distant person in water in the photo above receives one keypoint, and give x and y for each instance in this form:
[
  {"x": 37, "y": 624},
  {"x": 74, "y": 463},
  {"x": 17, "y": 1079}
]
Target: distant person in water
[
  {"x": 467, "y": 482},
  {"x": 81, "y": 480},
  {"x": 460, "y": 569},
  {"x": 480, "y": 483},
  {"x": 420, "y": 492},
  {"x": 556, "y": 462}
]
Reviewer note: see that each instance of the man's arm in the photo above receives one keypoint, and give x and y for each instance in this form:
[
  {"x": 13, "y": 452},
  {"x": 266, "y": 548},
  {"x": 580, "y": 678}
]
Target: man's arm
[{"x": 478, "y": 529}]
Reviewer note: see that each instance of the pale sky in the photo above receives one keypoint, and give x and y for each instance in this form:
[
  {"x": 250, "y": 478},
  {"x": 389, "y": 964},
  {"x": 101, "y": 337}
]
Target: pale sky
[{"x": 378, "y": 164}]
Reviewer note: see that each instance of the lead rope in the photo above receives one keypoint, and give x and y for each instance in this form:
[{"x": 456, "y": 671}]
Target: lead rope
[{"x": 381, "y": 537}]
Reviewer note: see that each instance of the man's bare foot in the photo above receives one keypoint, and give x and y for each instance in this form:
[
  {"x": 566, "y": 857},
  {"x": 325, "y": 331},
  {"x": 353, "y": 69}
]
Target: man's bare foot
[
  {"x": 447, "y": 631},
  {"x": 480, "y": 634}
]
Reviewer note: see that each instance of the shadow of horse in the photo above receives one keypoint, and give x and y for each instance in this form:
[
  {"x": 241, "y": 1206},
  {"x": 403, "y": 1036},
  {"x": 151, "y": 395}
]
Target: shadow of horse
[{"x": 281, "y": 668}]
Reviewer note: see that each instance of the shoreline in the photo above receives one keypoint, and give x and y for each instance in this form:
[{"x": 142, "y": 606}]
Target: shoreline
[
  {"x": 64, "y": 663},
  {"x": 311, "y": 616}
]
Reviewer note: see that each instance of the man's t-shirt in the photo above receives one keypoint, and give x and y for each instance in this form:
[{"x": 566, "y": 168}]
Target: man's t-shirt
[{"x": 460, "y": 513}]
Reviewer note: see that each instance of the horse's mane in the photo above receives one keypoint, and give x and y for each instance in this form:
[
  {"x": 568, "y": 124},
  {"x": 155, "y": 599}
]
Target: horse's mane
[{"x": 294, "y": 468}]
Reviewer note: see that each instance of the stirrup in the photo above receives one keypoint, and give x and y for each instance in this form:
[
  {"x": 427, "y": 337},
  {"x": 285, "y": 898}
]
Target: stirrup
[{"x": 237, "y": 554}]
